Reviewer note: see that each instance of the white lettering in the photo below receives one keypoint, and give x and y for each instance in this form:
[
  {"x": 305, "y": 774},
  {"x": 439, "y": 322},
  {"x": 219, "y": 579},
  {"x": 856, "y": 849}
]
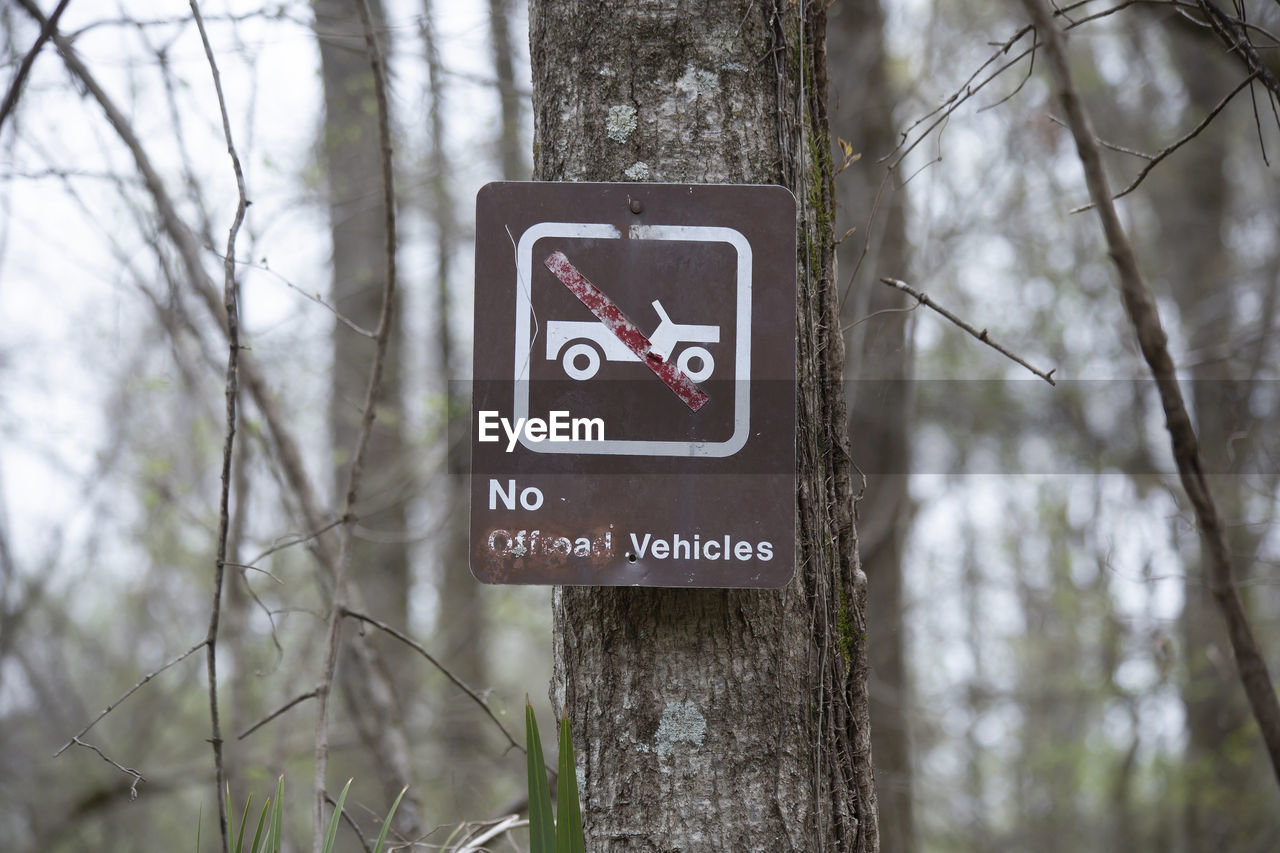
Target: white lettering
[
  {"x": 496, "y": 494},
  {"x": 530, "y": 498},
  {"x": 488, "y": 421},
  {"x": 558, "y": 427},
  {"x": 764, "y": 551},
  {"x": 512, "y": 434},
  {"x": 592, "y": 429},
  {"x": 559, "y": 421},
  {"x": 638, "y": 547}
]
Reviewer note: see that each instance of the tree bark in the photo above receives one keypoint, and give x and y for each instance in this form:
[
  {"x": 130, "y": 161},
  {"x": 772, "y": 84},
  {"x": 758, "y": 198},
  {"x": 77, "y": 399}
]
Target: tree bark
[
  {"x": 712, "y": 719},
  {"x": 880, "y": 368}
]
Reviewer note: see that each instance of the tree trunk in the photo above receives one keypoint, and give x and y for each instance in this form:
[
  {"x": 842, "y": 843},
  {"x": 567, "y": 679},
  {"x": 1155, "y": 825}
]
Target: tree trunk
[
  {"x": 379, "y": 582},
  {"x": 462, "y": 622},
  {"x": 879, "y": 397},
  {"x": 1229, "y": 799},
  {"x": 713, "y": 719},
  {"x": 354, "y": 175}
]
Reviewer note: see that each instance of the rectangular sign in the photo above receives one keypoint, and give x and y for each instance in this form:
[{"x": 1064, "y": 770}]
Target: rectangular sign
[{"x": 633, "y": 408}]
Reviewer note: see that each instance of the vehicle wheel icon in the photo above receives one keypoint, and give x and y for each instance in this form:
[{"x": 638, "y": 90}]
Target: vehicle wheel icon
[
  {"x": 696, "y": 355},
  {"x": 581, "y": 361}
]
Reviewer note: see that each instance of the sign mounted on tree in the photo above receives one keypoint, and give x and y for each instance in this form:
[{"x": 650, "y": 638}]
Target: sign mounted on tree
[{"x": 633, "y": 410}]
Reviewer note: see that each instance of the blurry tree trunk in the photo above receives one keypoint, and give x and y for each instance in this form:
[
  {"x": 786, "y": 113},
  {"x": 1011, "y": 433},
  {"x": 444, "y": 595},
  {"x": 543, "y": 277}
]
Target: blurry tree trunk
[
  {"x": 462, "y": 626},
  {"x": 1223, "y": 757},
  {"x": 768, "y": 688},
  {"x": 352, "y": 155},
  {"x": 510, "y": 149},
  {"x": 380, "y": 566},
  {"x": 880, "y": 367}
]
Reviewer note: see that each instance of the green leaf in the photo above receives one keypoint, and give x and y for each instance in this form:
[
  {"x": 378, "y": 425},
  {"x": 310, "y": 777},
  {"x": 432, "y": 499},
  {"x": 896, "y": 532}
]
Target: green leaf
[
  {"x": 333, "y": 822},
  {"x": 275, "y": 833},
  {"x": 262, "y": 819},
  {"x": 244, "y": 820},
  {"x": 199, "y": 823},
  {"x": 569, "y": 838},
  {"x": 542, "y": 827},
  {"x": 386, "y": 823}
]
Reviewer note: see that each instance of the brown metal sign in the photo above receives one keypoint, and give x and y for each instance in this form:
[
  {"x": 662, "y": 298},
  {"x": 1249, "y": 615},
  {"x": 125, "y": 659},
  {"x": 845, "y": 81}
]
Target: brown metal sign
[{"x": 633, "y": 407}]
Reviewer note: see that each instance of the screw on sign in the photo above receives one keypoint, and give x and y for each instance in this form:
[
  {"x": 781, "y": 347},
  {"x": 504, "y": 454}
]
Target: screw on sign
[{"x": 687, "y": 485}]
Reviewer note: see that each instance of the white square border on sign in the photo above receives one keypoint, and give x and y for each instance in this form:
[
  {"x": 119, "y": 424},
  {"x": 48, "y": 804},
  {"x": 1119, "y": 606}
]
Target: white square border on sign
[{"x": 742, "y": 355}]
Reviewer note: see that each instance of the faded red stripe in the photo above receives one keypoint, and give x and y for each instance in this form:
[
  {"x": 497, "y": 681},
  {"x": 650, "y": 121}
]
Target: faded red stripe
[{"x": 620, "y": 325}]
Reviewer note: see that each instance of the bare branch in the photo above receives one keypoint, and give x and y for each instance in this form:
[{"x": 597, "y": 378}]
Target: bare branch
[
  {"x": 1144, "y": 315},
  {"x": 230, "y": 302},
  {"x": 1234, "y": 34},
  {"x": 1154, "y": 159},
  {"x": 134, "y": 689},
  {"x": 457, "y": 682},
  {"x": 923, "y": 299},
  {"x": 296, "y": 540},
  {"x": 297, "y": 700},
  {"x": 24, "y": 68},
  {"x": 128, "y": 771}
]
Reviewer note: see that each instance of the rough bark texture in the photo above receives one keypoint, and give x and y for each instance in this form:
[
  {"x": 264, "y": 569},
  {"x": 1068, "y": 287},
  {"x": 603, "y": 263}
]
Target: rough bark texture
[
  {"x": 880, "y": 366},
  {"x": 717, "y": 720}
]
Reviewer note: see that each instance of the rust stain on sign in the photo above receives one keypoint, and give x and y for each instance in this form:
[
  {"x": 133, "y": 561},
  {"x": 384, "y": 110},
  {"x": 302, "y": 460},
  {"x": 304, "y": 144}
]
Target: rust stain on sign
[{"x": 620, "y": 325}]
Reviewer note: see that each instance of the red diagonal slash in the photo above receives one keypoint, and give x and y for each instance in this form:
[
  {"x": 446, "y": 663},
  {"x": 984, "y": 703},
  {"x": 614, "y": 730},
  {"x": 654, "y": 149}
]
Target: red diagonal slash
[{"x": 608, "y": 313}]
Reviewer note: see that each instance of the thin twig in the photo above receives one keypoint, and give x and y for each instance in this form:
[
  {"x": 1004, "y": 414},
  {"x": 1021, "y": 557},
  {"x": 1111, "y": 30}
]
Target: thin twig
[
  {"x": 128, "y": 771},
  {"x": 297, "y": 700},
  {"x": 383, "y": 334},
  {"x": 875, "y": 314},
  {"x": 230, "y": 301},
  {"x": 297, "y": 540},
  {"x": 474, "y": 845},
  {"x": 1154, "y": 160},
  {"x": 150, "y": 675},
  {"x": 1144, "y": 315},
  {"x": 24, "y": 68},
  {"x": 923, "y": 299},
  {"x": 457, "y": 682}
]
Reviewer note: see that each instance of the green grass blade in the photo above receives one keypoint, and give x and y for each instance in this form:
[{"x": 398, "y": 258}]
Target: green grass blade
[
  {"x": 569, "y": 838},
  {"x": 332, "y": 834},
  {"x": 542, "y": 827},
  {"x": 199, "y": 823},
  {"x": 275, "y": 834},
  {"x": 262, "y": 820},
  {"x": 244, "y": 821},
  {"x": 386, "y": 823},
  {"x": 231, "y": 816}
]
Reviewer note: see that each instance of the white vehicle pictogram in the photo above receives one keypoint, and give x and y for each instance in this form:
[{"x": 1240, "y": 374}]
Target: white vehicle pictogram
[{"x": 581, "y": 358}]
